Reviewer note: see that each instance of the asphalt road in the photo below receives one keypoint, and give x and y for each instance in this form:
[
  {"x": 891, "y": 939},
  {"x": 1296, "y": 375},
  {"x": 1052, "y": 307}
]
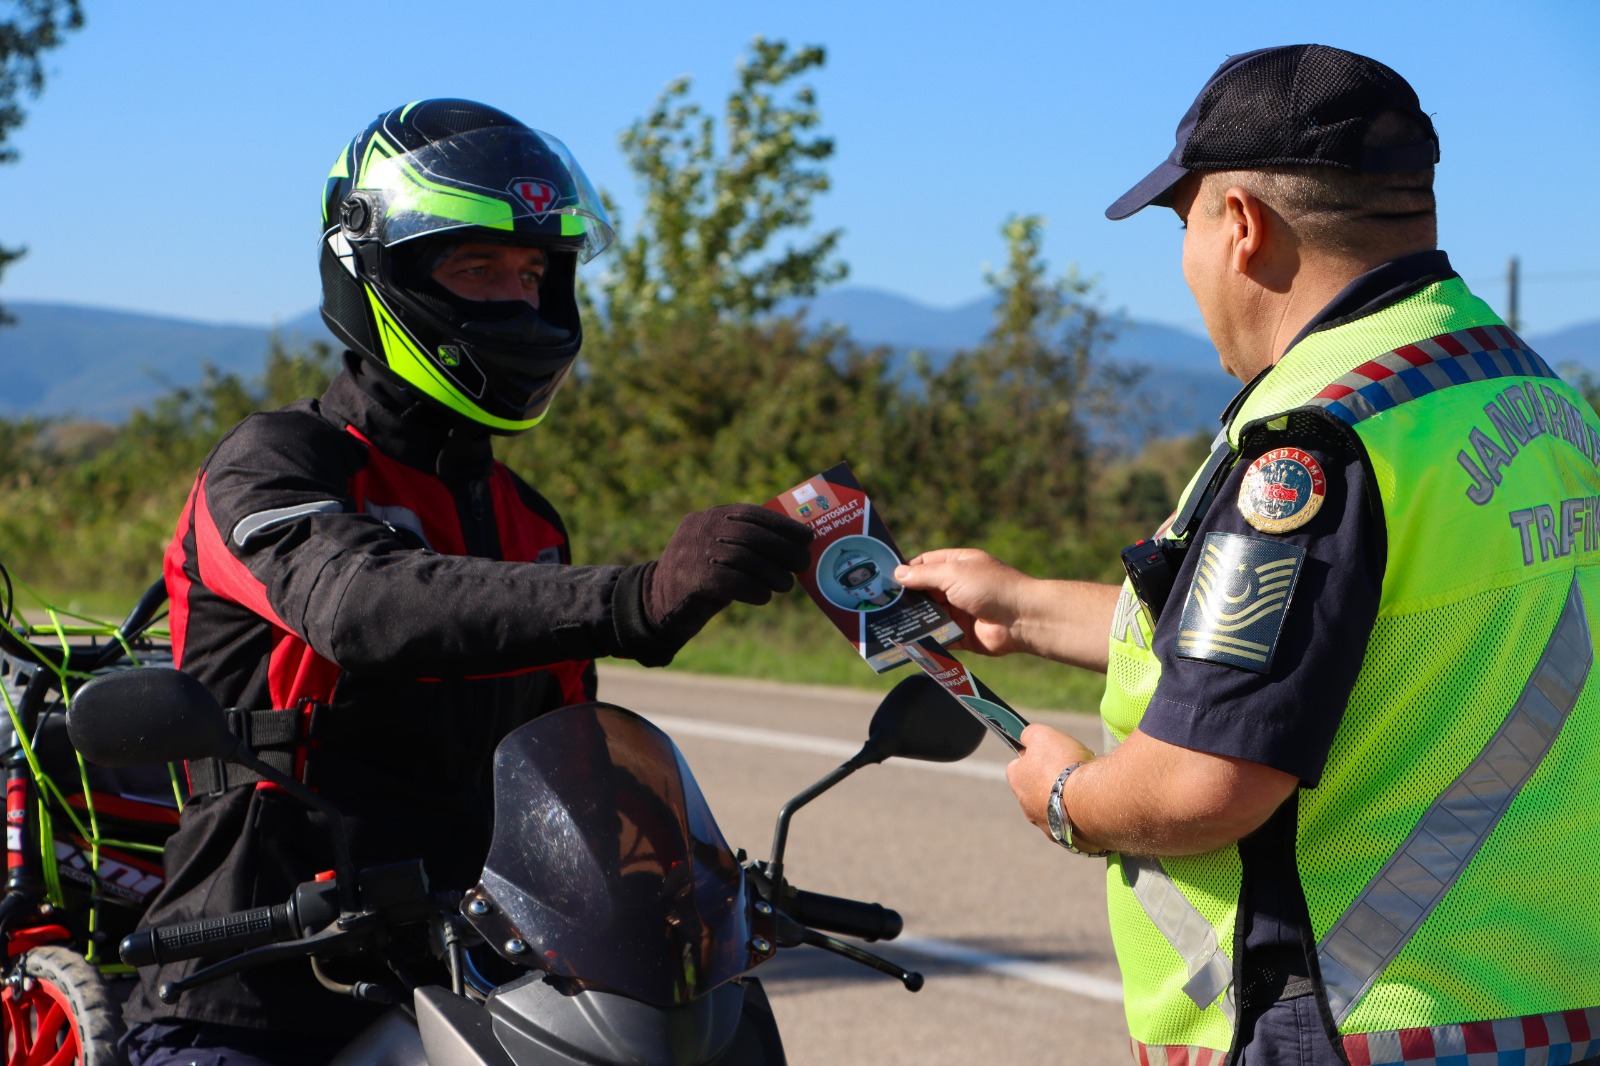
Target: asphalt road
[{"x": 1009, "y": 930}]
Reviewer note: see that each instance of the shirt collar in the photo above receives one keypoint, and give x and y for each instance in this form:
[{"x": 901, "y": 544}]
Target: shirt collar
[
  {"x": 1379, "y": 288},
  {"x": 1368, "y": 294}
]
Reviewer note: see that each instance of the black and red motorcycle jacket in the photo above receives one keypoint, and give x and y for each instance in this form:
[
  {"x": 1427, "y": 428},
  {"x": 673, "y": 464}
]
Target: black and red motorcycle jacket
[{"x": 364, "y": 561}]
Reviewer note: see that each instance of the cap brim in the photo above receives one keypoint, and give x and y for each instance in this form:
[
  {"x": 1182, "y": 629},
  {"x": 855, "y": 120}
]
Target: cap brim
[{"x": 1155, "y": 188}]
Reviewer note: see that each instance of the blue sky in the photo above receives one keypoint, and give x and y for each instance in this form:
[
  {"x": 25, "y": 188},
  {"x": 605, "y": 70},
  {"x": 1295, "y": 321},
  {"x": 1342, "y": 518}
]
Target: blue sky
[{"x": 174, "y": 162}]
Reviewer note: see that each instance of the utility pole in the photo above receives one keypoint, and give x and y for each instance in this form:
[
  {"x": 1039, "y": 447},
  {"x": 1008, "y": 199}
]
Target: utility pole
[{"x": 1513, "y": 283}]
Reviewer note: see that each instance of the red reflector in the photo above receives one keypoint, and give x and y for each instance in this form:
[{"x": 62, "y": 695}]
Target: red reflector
[
  {"x": 22, "y": 940},
  {"x": 326, "y": 875}
]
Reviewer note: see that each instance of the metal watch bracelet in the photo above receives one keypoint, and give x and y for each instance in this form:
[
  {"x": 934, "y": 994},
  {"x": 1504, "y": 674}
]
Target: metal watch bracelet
[{"x": 1056, "y": 816}]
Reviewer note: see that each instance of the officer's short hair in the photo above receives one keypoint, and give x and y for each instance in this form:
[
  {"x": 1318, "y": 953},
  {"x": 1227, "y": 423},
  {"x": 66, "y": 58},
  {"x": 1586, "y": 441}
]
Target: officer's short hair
[
  {"x": 1346, "y": 212},
  {"x": 1340, "y": 212}
]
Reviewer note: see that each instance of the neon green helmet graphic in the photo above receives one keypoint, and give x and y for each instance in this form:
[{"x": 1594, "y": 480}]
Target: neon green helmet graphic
[{"x": 422, "y": 180}]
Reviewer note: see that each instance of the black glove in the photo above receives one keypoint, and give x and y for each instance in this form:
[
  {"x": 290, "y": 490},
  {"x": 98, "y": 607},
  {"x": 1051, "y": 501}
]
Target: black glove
[{"x": 734, "y": 552}]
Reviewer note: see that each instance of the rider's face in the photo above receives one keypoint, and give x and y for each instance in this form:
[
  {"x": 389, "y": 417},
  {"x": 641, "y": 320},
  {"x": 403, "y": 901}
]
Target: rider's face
[
  {"x": 482, "y": 271},
  {"x": 857, "y": 577}
]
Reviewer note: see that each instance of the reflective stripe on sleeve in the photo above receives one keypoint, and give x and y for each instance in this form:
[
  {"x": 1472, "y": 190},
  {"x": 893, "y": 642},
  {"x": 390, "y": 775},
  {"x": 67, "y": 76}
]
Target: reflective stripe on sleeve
[
  {"x": 250, "y": 525},
  {"x": 1388, "y": 912},
  {"x": 1186, "y": 929}
]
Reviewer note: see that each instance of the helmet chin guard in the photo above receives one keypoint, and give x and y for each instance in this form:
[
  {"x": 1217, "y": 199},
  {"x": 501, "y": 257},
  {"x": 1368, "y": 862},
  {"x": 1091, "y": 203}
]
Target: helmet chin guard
[
  {"x": 448, "y": 171},
  {"x": 858, "y": 574}
]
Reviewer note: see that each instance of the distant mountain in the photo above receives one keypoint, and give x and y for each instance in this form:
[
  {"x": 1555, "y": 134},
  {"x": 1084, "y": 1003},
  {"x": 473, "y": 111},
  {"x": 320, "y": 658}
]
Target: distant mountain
[
  {"x": 873, "y": 316},
  {"x": 1184, "y": 388},
  {"x": 1574, "y": 346},
  {"x": 94, "y": 363}
]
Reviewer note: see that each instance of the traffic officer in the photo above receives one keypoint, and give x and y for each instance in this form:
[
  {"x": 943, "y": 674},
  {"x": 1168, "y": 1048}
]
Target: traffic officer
[
  {"x": 1352, "y": 713},
  {"x": 384, "y": 598}
]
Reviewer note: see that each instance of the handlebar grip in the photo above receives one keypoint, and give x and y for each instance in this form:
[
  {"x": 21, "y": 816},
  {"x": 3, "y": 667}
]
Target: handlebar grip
[
  {"x": 207, "y": 936},
  {"x": 866, "y": 921}
]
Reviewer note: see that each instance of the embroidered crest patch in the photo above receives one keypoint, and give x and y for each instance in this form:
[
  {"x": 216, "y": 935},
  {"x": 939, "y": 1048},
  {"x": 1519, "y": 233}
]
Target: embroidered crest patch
[
  {"x": 1282, "y": 490},
  {"x": 1238, "y": 600}
]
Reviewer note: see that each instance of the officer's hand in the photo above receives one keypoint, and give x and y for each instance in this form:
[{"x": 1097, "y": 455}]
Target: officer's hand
[
  {"x": 734, "y": 552},
  {"x": 1032, "y": 774},
  {"x": 982, "y": 594}
]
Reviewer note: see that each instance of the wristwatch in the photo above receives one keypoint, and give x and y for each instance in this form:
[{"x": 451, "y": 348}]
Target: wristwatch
[{"x": 1056, "y": 815}]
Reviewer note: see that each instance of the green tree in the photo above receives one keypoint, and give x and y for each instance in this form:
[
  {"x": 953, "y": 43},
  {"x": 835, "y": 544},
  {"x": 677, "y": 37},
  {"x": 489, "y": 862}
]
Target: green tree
[
  {"x": 1587, "y": 384},
  {"x": 690, "y": 390},
  {"x": 87, "y": 508},
  {"x": 1017, "y": 424},
  {"x": 31, "y": 28},
  {"x": 715, "y": 207}
]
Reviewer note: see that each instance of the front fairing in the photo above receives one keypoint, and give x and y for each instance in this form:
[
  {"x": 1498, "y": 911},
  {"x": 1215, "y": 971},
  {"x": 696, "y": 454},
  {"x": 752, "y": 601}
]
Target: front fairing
[{"x": 606, "y": 865}]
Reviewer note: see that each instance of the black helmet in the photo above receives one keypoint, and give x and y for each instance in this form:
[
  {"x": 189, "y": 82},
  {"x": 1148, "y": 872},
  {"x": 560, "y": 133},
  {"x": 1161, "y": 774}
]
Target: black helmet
[{"x": 421, "y": 179}]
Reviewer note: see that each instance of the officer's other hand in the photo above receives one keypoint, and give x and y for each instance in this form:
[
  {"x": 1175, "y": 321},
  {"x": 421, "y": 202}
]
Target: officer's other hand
[
  {"x": 734, "y": 552},
  {"x": 980, "y": 592},
  {"x": 1045, "y": 753}
]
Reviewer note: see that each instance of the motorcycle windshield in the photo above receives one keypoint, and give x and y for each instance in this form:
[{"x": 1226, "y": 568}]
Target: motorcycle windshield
[{"x": 606, "y": 863}]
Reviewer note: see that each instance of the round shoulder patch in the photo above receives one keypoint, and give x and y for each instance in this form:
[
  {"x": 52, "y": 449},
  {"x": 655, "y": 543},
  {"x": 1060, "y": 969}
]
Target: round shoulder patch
[{"x": 1282, "y": 490}]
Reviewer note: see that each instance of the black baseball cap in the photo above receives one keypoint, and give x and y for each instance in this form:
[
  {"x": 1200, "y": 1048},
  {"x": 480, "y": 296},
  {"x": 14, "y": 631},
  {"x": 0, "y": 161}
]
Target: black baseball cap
[{"x": 1295, "y": 105}]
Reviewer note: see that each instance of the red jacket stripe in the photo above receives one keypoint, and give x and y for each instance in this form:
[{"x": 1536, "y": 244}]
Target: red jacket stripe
[
  {"x": 220, "y": 569},
  {"x": 178, "y": 584}
]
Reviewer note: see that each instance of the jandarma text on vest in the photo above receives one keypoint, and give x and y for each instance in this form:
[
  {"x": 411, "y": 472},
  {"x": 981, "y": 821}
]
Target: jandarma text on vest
[{"x": 1519, "y": 415}]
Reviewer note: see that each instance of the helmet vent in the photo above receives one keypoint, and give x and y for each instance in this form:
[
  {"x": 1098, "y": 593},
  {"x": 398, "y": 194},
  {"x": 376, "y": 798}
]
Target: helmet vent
[
  {"x": 342, "y": 305},
  {"x": 446, "y": 118}
]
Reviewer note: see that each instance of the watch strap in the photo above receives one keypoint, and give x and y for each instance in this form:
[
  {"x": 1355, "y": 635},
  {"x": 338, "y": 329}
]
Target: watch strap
[{"x": 1056, "y": 815}]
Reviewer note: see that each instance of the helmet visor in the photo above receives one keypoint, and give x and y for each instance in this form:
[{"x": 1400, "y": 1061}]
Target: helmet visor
[
  {"x": 513, "y": 182},
  {"x": 859, "y": 575}
]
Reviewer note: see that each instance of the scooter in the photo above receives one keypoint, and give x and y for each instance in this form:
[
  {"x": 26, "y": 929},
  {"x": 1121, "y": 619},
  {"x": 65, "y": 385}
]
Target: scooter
[{"x": 612, "y": 923}]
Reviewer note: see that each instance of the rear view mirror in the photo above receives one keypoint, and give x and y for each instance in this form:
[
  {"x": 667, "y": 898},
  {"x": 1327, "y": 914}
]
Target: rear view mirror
[
  {"x": 919, "y": 720},
  {"x": 916, "y": 720},
  {"x": 149, "y": 715}
]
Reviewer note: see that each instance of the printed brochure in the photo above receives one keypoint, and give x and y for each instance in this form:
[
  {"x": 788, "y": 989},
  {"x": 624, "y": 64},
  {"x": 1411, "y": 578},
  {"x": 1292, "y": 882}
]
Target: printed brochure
[
  {"x": 851, "y": 576},
  {"x": 971, "y": 693}
]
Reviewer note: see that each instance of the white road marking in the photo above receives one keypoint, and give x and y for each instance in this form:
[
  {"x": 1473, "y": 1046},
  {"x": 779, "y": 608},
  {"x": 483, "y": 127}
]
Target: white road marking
[
  {"x": 812, "y": 745},
  {"x": 1057, "y": 977},
  {"x": 1039, "y": 973}
]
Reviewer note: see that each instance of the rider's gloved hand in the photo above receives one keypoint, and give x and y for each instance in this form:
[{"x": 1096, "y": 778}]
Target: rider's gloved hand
[{"x": 734, "y": 552}]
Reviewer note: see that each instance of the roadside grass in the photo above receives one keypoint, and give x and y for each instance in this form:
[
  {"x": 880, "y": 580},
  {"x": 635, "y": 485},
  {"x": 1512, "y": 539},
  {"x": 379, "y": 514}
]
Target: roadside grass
[
  {"x": 73, "y": 608},
  {"x": 799, "y": 646}
]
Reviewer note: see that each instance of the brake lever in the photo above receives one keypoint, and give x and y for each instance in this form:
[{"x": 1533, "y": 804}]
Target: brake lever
[
  {"x": 788, "y": 933},
  {"x": 911, "y": 979},
  {"x": 332, "y": 936}
]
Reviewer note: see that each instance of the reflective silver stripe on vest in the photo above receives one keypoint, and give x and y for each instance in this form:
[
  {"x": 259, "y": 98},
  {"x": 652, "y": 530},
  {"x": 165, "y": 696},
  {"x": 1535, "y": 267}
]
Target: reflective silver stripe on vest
[
  {"x": 261, "y": 521},
  {"x": 1186, "y": 929},
  {"x": 1382, "y": 920}
]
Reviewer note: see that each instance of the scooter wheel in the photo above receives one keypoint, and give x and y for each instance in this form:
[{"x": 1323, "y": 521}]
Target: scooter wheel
[{"x": 55, "y": 1009}]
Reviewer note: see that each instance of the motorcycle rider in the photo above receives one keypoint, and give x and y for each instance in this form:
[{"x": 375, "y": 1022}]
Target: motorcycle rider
[
  {"x": 859, "y": 576},
  {"x": 362, "y": 564}
]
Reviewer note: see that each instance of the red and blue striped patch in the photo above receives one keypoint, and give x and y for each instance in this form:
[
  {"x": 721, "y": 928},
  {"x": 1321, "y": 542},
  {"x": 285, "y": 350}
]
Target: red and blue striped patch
[
  {"x": 1566, "y": 1038},
  {"x": 1561, "y": 1039},
  {"x": 1382, "y": 384}
]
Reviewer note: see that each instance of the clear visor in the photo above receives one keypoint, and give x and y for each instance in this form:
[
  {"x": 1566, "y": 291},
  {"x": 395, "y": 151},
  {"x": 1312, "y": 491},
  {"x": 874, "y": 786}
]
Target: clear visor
[
  {"x": 859, "y": 575},
  {"x": 511, "y": 181}
]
